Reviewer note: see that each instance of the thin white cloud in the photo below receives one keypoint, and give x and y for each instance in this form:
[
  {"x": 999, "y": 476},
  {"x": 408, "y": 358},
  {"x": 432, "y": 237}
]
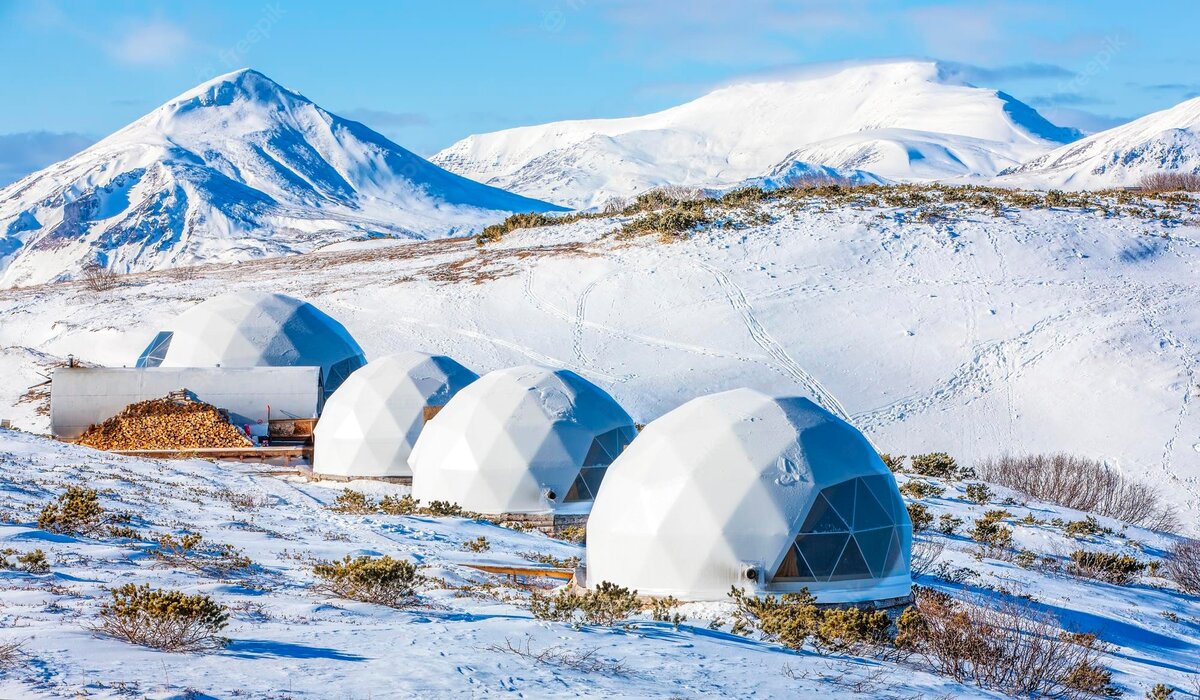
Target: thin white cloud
[{"x": 151, "y": 43}]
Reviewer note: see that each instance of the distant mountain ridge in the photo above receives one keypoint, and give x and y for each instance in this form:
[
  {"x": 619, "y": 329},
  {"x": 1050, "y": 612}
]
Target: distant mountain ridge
[
  {"x": 1165, "y": 141},
  {"x": 236, "y": 168},
  {"x": 900, "y": 120}
]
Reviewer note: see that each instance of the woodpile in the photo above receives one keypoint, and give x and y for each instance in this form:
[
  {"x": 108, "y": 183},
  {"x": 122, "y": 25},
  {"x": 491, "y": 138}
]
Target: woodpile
[{"x": 171, "y": 423}]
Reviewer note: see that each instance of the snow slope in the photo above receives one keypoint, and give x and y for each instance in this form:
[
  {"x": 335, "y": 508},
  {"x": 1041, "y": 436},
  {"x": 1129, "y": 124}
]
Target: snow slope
[
  {"x": 900, "y": 120},
  {"x": 1044, "y": 330},
  {"x": 236, "y": 168},
  {"x": 291, "y": 640},
  {"x": 1166, "y": 141}
]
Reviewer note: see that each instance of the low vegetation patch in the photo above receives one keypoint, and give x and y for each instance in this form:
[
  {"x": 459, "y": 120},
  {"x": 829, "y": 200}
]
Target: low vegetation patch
[
  {"x": 979, "y": 493},
  {"x": 586, "y": 660},
  {"x": 163, "y": 619},
  {"x": 991, "y": 533},
  {"x": 794, "y": 620},
  {"x": 606, "y": 605},
  {"x": 938, "y": 465},
  {"x": 920, "y": 488},
  {"x": 1158, "y": 183},
  {"x": 1183, "y": 566},
  {"x": 378, "y": 580},
  {"x": 920, "y": 516},
  {"x": 75, "y": 512},
  {"x": 479, "y": 544},
  {"x": 34, "y": 562},
  {"x": 1119, "y": 569},
  {"x": 191, "y": 551},
  {"x": 1083, "y": 484},
  {"x": 1013, "y": 649}
]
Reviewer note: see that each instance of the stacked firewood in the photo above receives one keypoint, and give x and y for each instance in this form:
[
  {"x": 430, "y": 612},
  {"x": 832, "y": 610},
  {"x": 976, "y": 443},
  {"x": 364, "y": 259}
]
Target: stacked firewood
[{"x": 171, "y": 423}]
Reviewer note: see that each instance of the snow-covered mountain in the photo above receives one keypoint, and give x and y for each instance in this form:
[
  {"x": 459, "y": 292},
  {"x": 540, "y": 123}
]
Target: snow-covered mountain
[
  {"x": 1166, "y": 141},
  {"x": 901, "y": 120},
  {"x": 236, "y": 168}
]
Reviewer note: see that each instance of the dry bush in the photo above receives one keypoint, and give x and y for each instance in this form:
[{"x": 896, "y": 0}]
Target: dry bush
[
  {"x": 163, "y": 619},
  {"x": 191, "y": 551},
  {"x": 1170, "y": 182},
  {"x": 10, "y": 654},
  {"x": 925, "y": 554},
  {"x": 1014, "y": 649},
  {"x": 668, "y": 224},
  {"x": 606, "y": 605},
  {"x": 1118, "y": 569},
  {"x": 1183, "y": 565},
  {"x": 75, "y": 512},
  {"x": 479, "y": 544},
  {"x": 378, "y": 580},
  {"x": 98, "y": 278},
  {"x": 582, "y": 660},
  {"x": 572, "y": 533},
  {"x": 1083, "y": 484}
]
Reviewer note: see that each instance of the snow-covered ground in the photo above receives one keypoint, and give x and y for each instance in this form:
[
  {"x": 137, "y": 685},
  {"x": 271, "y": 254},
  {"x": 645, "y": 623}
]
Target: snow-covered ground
[
  {"x": 1043, "y": 330},
  {"x": 291, "y": 641}
]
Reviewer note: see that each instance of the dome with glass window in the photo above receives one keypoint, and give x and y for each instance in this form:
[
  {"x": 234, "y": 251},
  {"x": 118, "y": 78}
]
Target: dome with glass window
[
  {"x": 521, "y": 440},
  {"x": 766, "y": 494}
]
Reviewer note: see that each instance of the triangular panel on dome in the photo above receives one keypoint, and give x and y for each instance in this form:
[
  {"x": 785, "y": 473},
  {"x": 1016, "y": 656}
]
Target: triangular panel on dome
[
  {"x": 868, "y": 513},
  {"x": 823, "y": 518},
  {"x": 822, "y": 552},
  {"x": 884, "y": 489},
  {"x": 841, "y": 497},
  {"x": 154, "y": 353},
  {"x": 793, "y": 567},
  {"x": 852, "y": 565},
  {"x": 875, "y": 545}
]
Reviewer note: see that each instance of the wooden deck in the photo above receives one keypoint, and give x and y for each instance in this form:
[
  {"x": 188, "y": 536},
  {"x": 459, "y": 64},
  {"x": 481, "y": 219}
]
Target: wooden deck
[{"x": 239, "y": 454}]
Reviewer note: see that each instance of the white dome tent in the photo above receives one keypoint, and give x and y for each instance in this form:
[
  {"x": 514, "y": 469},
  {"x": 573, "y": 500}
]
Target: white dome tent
[
  {"x": 742, "y": 489},
  {"x": 521, "y": 440},
  {"x": 257, "y": 329},
  {"x": 369, "y": 426}
]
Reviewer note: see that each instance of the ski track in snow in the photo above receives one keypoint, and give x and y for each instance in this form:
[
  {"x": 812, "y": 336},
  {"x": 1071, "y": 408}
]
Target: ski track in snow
[{"x": 789, "y": 367}]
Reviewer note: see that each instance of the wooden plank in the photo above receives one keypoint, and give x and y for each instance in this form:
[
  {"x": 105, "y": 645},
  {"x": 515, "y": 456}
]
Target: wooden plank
[{"x": 564, "y": 574}]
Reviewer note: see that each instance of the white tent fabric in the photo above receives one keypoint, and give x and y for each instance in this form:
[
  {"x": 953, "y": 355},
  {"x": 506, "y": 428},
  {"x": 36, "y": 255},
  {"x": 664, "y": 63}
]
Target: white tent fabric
[
  {"x": 257, "y": 329},
  {"x": 521, "y": 440},
  {"x": 369, "y": 426},
  {"x": 738, "y": 482}
]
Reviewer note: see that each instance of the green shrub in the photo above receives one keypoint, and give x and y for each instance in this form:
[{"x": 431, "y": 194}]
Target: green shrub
[
  {"x": 191, "y": 551},
  {"x": 990, "y": 532},
  {"x": 979, "y": 493},
  {"x": 920, "y": 516},
  {"x": 76, "y": 512},
  {"x": 668, "y": 224},
  {"x": 1160, "y": 691},
  {"x": 479, "y": 544},
  {"x": 404, "y": 505},
  {"x": 936, "y": 464},
  {"x": 444, "y": 509},
  {"x": 31, "y": 562},
  {"x": 1087, "y": 527},
  {"x": 353, "y": 502},
  {"x": 893, "y": 462},
  {"x": 793, "y": 619},
  {"x": 1119, "y": 569},
  {"x": 663, "y": 610},
  {"x": 378, "y": 580},
  {"x": 919, "y": 488},
  {"x": 573, "y": 533},
  {"x": 495, "y": 232},
  {"x": 605, "y": 605},
  {"x": 163, "y": 619},
  {"x": 948, "y": 524}
]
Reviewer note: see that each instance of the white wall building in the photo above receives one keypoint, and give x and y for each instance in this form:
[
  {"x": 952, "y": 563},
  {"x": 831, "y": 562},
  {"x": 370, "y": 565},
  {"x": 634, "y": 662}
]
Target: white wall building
[
  {"x": 742, "y": 489},
  {"x": 257, "y": 329},
  {"x": 370, "y": 425},
  {"x": 521, "y": 440}
]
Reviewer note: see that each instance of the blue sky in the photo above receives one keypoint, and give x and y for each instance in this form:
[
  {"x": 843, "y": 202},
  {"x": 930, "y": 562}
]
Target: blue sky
[{"x": 428, "y": 73}]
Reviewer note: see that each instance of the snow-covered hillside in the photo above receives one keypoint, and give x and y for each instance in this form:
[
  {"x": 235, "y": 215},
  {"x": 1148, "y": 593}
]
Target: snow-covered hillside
[
  {"x": 236, "y": 168},
  {"x": 464, "y": 635},
  {"x": 901, "y": 120},
  {"x": 1166, "y": 141},
  {"x": 1038, "y": 330}
]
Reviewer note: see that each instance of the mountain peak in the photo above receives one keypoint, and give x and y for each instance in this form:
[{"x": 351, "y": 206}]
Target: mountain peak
[{"x": 242, "y": 85}]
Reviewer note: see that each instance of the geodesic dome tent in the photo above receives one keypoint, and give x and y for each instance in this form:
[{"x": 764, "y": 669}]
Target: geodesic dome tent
[
  {"x": 521, "y": 440},
  {"x": 742, "y": 489},
  {"x": 257, "y": 329},
  {"x": 369, "y": 426}
]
